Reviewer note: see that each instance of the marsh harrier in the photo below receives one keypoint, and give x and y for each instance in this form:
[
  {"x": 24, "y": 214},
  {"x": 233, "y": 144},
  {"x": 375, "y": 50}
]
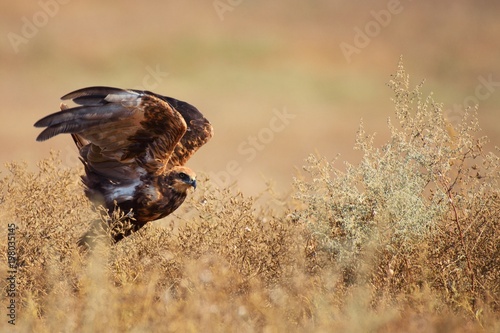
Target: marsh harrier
[{"x": 134, "y": 145}]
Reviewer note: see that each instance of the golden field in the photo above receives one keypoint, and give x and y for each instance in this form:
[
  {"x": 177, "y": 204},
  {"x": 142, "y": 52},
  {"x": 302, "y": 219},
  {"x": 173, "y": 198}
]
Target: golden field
[{"x": 402, "y": 236}]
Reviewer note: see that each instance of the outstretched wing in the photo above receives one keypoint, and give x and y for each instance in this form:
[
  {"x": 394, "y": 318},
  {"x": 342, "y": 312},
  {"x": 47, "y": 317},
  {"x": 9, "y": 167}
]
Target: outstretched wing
[
  {"x": 199, "y": 130},
  {"x": 119, "y": 130}
]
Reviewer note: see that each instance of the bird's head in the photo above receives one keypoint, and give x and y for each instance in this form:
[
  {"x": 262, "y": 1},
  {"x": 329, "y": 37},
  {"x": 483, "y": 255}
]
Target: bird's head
[{"x": 182, "y": 178}]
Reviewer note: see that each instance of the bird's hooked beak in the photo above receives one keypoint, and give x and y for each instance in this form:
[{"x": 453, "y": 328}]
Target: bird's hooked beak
[{"x": 193, "y": 183}]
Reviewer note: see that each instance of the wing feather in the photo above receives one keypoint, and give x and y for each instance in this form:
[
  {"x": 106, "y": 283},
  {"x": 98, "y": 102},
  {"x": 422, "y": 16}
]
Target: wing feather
[
  {"x": 123, "y": 128},
  {"x": 97, "y": 92},
  {"x": 199, "y": 130}
]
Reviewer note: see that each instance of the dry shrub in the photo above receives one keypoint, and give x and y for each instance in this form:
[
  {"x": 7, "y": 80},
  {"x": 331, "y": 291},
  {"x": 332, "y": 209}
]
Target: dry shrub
[
  {"x": 422, "y": 210},
  {"x": 254, "y": 241},
  {"x": 407, "y": 240},
  {"x": 49, "y": 210}
]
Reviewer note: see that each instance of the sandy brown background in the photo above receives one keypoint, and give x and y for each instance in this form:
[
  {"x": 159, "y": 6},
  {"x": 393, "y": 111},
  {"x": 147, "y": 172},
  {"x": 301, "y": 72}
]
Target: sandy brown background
[{"x": 244, "y": 62}]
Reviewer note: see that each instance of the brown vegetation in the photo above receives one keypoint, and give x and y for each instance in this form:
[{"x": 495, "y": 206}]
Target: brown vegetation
[{"x": 406, "y": 240}]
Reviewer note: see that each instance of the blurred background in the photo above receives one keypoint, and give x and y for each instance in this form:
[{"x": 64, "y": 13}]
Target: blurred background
[{"x": 278, "y": 79}]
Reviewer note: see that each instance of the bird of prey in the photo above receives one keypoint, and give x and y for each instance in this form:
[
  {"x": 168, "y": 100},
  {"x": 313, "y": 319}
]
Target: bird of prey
[{"x": 134, "y": 145}]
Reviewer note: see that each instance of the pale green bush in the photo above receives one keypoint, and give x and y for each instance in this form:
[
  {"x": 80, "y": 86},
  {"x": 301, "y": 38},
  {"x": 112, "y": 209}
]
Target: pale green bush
[{"x": 423, "y": 209}]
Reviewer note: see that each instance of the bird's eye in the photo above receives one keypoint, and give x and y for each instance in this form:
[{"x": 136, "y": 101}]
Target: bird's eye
[{"x": 183, "y": 176}]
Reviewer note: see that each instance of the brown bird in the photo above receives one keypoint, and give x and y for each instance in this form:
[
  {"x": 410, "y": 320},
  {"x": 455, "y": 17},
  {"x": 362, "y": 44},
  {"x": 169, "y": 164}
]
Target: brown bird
[{"x": 134, "y": 145}]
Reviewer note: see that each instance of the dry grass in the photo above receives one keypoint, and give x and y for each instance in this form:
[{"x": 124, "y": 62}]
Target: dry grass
[{"x": 406, "y": 240}]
